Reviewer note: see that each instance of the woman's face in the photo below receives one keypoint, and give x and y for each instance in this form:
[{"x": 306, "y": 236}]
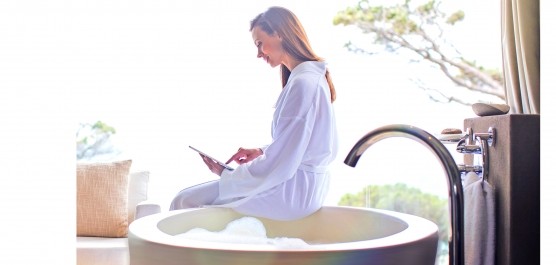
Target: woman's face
[{"x": 269, "y": 47}]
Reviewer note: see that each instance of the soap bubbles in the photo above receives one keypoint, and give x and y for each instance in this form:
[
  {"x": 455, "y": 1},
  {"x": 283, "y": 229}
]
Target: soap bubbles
[{"x": 245, "y": 230}]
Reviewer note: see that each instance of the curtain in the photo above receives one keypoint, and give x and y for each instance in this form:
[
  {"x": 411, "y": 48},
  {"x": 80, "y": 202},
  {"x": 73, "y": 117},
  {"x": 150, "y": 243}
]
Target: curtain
[{"x": 521, "y": 55}]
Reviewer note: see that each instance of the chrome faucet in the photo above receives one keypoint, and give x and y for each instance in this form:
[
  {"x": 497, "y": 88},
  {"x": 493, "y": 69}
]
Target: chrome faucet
[{"x": 456, "y": 251}]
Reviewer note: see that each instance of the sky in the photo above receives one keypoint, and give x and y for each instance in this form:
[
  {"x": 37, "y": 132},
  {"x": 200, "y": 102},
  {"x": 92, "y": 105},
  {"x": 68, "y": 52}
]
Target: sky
[{"x": 168, "y": 74}]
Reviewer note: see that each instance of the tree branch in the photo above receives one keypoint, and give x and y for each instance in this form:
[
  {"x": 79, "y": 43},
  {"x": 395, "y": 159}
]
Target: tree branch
[{"x": 441, "y": 60}]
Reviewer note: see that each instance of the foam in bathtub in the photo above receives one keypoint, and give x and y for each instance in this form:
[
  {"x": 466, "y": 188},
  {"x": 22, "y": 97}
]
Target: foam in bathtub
[{"x": 245, "y": 230}]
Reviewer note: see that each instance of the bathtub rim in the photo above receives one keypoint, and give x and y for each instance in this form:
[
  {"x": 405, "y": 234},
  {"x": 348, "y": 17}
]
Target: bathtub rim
[{"x": 417, "y": 229}]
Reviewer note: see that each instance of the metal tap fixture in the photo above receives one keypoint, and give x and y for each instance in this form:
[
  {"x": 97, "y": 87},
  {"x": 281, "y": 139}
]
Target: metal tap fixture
[
  {"x": 467, "y": 145},
  {"x": 455, "y": 189},
  {"x": 485, "y": 139}
]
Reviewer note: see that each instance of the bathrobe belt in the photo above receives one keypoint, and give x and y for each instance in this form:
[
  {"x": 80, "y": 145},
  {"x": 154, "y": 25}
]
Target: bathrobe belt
[{"x": 313, "y": 169}]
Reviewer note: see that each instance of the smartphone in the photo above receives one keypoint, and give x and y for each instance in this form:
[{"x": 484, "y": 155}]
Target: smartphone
[{"x": 215, "y": 160}]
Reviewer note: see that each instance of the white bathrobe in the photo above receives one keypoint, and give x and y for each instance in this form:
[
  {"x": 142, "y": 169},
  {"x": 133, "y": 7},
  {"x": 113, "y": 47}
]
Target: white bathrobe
[{"x": 290, "y": 180}]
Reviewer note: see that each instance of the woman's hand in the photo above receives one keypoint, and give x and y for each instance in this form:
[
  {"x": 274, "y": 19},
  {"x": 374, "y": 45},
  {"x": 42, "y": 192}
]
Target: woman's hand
[
  {"x": 212, "y": 165},
  {"x": 245, "y": 155}
]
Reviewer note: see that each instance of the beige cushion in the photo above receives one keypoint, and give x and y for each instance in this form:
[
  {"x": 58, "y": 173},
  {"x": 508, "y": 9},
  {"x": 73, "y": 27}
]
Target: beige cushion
[{"x": 102, "y": 199}]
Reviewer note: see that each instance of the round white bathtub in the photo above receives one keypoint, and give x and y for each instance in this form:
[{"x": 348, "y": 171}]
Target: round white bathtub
[{"x": 337, "y": 235}]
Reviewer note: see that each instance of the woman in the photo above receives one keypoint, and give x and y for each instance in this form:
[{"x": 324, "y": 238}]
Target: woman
[{"x": 287, "y": 179}]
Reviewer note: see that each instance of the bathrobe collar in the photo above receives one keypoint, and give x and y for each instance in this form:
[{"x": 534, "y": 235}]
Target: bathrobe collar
[{"x": 319, "y": 67}]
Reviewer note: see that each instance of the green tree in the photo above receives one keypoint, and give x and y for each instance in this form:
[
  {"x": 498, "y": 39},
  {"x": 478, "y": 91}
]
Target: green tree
[
  {"x": 404, "y": 199},
  {"x": 94, "y": 140},
  {"x": 419, "y": 29}
]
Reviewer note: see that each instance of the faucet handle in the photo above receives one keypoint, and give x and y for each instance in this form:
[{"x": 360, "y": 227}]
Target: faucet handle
[
  {"x": 489, "y": 136},
  {"x": 470, "y": 168},
  {"x": 468, "y": 148}
]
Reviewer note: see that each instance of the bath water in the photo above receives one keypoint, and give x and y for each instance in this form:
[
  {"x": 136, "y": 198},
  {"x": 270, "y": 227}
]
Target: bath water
[{"x": 245, "y": 230}]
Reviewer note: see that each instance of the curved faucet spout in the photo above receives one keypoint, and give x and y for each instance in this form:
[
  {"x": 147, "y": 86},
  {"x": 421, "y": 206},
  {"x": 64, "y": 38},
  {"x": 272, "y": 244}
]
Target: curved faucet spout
[{"x": 455, "y": 188}]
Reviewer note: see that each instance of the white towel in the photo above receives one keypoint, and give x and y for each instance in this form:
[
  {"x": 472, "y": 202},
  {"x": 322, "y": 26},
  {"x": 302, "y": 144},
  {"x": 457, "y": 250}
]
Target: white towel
[{"x": 479, "y": 221}]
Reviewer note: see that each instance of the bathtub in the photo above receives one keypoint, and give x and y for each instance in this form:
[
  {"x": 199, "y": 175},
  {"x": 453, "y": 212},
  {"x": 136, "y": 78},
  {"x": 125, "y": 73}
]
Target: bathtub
[{"x": 336, "y": 234}]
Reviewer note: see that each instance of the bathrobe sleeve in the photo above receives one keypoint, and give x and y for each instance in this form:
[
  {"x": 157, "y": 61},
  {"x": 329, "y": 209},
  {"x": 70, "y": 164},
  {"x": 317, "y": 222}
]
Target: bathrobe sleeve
[{"x": 293, "y": 123}]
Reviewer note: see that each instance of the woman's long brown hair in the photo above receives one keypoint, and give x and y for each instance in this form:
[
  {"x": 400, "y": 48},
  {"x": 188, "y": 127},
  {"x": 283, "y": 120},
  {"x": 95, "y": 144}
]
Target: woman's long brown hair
[{"x": 294, "y": 39}]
